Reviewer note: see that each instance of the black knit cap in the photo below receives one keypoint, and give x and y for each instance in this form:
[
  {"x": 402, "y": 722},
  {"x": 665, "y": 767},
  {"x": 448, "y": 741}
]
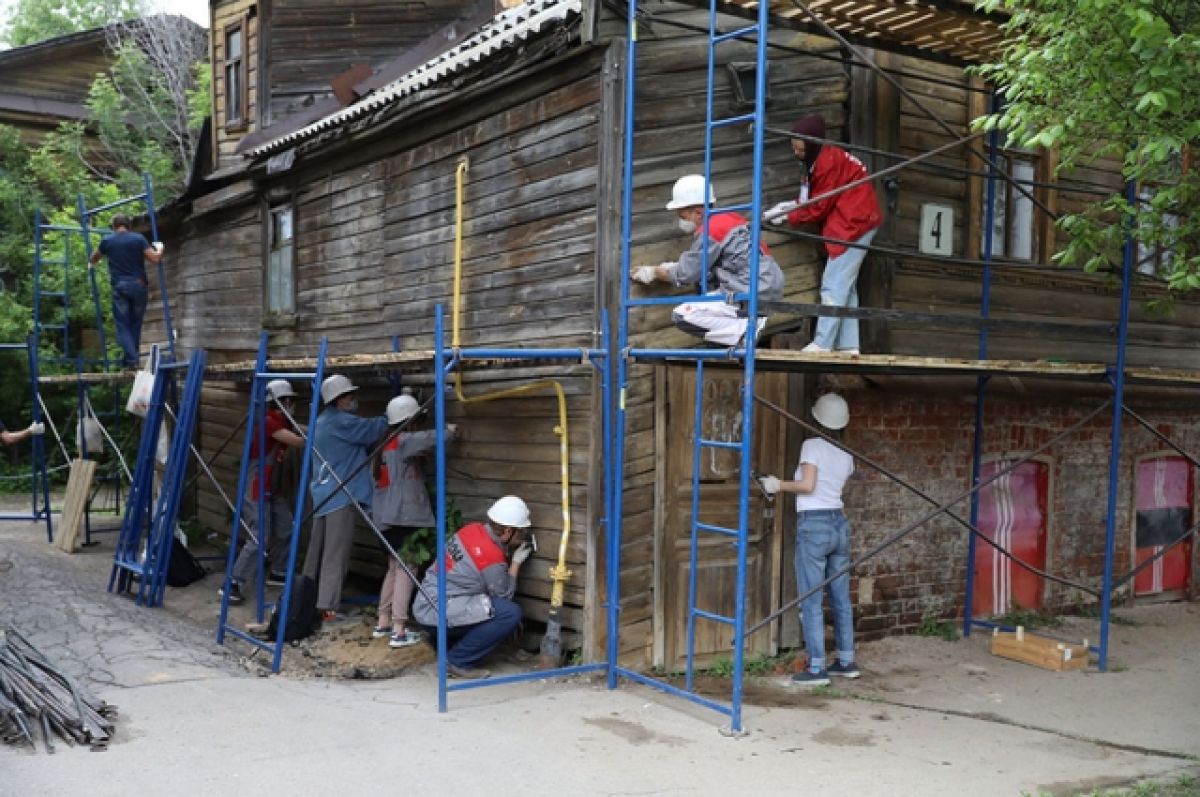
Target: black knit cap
[{"x": 811, "y": 126}]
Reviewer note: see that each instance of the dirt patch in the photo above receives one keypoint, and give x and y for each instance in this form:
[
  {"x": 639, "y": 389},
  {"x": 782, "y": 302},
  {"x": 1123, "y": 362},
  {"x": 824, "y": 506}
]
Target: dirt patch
[
  {"x": 840, "y": 737},
  {"x": 634, "y": 733},
  {"x": 770, "y": 691},
  {"x": 346, "y": 650}
]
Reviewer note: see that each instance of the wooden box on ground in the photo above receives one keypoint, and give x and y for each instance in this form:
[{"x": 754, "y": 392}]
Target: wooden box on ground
[{"x": 1050, "y": 654}]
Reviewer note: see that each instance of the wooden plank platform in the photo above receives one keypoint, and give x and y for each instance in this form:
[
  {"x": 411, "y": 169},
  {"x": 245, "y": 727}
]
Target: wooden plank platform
[
  {"x": 786, "y": 360},
  {"x": 78, "y": 485}
]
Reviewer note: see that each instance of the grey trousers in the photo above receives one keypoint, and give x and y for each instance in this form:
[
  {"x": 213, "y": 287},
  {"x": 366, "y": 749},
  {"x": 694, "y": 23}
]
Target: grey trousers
[
  {"x": 328, "y": 554},
  {"x": 277, "y": 536}
]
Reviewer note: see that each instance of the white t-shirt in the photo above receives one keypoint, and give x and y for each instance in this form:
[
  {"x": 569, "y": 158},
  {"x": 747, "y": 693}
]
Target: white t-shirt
[{"x": 833, "y": 465}]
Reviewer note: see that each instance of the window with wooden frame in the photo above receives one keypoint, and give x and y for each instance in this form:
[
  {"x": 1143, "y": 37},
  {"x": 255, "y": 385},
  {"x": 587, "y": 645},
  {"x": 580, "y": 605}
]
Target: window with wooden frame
[
  {"x": 1014, "y": 233},
  {"x": 234, "y": 72},
  {"x": 281, "y": 261},
  {"x": 1155, "y": 258}
]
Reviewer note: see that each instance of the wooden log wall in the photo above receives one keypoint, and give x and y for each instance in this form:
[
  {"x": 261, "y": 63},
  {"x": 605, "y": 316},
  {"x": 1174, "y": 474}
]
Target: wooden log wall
[
  {"x": 312, "y": 41},
  {"x": 1046, "y": 293},
  {"x": 374, "y": 227}
]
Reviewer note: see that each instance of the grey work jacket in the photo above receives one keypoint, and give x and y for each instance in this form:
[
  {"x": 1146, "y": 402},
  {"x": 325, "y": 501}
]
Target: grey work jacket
[
  {"x": 729, "y": 265},
  {"x": 477, "y": 571},
  {"x": 400, "y": 495}
]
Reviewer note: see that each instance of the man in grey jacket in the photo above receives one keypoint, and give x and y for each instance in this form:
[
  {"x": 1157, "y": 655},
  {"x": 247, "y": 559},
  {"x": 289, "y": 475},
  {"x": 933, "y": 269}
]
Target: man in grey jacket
[
  {"x": 480, "y": 583},
  {"x": 726, "y": 242}
]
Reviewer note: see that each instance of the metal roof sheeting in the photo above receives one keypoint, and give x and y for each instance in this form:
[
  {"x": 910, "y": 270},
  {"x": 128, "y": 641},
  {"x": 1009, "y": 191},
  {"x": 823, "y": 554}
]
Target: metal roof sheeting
[{"x": 508, "y": 27}]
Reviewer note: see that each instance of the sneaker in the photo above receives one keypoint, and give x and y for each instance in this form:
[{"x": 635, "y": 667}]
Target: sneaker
[
  {"x": 849, "y": 670},
  {"x": 235, "y": 593},
  {"x": 471, "y": 673},
  {"x": 330, "y": 616},
  {"x": 813, "y": 348},
  {"x": 276, "y": 579},
  {"x": 403, "y": 639},
  {"x": 809, "y": 678},
  {"x": 847, "y": 352},
  {"x": 380, "y": 631}
]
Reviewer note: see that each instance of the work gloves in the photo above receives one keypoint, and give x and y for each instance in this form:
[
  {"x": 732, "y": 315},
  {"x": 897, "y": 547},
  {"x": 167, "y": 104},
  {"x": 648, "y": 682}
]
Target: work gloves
[
  {"x": 37, "y": 428},
  {"x": 644, "y": 274},
  {"x": 770, "y": 484},
  {"x": 779, "y": 213},
  {"x": 522, "y": 553}
]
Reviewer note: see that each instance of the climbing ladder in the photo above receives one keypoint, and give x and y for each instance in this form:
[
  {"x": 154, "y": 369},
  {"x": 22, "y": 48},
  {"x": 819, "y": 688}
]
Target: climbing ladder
[
  {"x": 143, "y": 551},
  {"x": 256, "y": 428},
  {"x": 744, "y": 354}
]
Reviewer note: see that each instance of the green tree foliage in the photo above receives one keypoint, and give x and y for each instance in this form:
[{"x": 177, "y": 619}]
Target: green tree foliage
[
  {"x": 1116, "y": 79},
  {"x": 142, "y": 120},
  {"x": 35, "y": 20}
]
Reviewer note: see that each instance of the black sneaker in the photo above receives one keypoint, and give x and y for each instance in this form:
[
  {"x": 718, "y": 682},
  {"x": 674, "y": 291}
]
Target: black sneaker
[
  {"x": 235, "y": 593},
  {"x": 849, "y": 670},
  {"x": 276, "y": 579},
  {"x": 808, "y": 678}
]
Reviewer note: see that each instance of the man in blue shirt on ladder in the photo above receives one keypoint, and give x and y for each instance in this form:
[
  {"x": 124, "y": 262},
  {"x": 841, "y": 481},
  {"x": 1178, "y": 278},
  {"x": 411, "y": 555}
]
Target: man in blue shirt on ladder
[{"x": 127, "y": 253}]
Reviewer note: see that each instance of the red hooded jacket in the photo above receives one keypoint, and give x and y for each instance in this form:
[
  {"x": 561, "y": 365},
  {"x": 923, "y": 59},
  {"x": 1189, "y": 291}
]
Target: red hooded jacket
[{"x": 848, "y": 215}]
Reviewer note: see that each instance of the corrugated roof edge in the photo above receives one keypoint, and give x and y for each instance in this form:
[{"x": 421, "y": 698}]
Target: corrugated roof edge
[{"x": 507, "y": 27}]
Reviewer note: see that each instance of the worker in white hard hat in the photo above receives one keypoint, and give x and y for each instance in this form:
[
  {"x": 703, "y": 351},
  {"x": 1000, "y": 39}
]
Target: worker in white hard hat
[
  {"x": 400, "y": 509},
  {"x": 277, "y": 515},
  {"x": 344, "y": 440},
  {"x": 822, "y": 542},
  {"x": 481, "y": 579},
  {"x": 727, "y": 239}
]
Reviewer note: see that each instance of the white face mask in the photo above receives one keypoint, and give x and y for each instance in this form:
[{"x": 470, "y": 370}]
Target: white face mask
[{"x": 687, "y": 225}]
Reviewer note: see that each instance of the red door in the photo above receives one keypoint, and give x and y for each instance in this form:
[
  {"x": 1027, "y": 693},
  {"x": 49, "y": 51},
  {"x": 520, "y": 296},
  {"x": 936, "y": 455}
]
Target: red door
[
  {"x": 1012, "y": 511},
  {"x": 1164, "y": 513}
]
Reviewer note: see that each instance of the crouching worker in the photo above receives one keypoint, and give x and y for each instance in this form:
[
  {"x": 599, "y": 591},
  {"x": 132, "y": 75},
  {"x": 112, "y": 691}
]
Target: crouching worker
[
  {"x": 400, "y": 509},
  {"x": 727, "y": 239},
  {"x": 480, "y": 582}
]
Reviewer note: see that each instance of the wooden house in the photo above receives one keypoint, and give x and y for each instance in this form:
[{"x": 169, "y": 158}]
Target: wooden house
[{"x": 345, "y": 135}]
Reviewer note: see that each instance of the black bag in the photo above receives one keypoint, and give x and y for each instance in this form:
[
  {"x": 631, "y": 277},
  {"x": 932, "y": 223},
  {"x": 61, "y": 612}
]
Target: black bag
[
  {"x": 303, "y": 617},
  {"x": 183, "y": 569}
]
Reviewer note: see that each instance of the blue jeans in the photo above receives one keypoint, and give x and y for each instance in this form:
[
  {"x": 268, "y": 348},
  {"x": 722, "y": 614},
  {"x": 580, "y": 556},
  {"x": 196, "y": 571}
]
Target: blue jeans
[
  {"x": 839, "y": 288},
  {"x": 822, "y": 549},
  {"x": 129, "y": 308},
  {"x": 467, "y": 644}
]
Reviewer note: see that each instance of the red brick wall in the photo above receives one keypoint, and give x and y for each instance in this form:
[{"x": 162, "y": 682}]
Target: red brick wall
[{"x": 928, "y": 442}]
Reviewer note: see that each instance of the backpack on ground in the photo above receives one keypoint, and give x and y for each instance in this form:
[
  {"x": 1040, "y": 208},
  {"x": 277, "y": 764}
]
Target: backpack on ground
[
  {"x": 303, "y": 618},
  {"x": 183, "y": 568}
]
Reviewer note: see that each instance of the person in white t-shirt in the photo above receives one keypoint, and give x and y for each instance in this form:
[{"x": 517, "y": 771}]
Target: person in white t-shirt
[{"x": 822, "y": 543}]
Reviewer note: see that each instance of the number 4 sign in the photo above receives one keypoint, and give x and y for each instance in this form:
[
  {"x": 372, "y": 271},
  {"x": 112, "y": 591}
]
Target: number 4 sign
[{"x": 937, "y": 229}]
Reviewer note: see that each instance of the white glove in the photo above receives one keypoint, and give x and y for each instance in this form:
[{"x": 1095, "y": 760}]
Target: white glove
[
  {"x": 645, "y": 274},
  {"x": 522, "y": 553},
  {"x": 158, "y": 247},
  {"x": 778, "y": 214},
  {"x": 770, "y": 484},
  {"x": 37, "y": 427},
  {"x": 452, "y": 429}
]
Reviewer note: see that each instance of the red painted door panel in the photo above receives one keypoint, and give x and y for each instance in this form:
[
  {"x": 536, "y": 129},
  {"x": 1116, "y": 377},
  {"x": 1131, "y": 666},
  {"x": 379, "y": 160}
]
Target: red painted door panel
[
  {"x": 1164, "y": 512},
  {"x": 1012, "y": 511}
]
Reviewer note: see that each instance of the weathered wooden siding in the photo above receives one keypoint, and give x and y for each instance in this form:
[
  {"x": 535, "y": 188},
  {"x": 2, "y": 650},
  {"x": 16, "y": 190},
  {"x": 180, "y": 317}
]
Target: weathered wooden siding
[
  {"x": 1019, "y": 293},
  {"x": 312, "y": 41},
  {"x": 374, "y": 254},
  {"x": 225, "y": 137}
]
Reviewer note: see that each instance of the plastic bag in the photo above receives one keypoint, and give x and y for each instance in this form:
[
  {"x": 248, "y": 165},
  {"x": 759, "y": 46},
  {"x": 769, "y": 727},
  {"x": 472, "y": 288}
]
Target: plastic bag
[
  {"x": 143, "y": 388},
  {"x": 88, "y": 431}
]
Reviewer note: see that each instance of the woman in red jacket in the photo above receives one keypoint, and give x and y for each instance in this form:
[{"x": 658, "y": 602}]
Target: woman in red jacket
[{"x": 851, "y": 216}]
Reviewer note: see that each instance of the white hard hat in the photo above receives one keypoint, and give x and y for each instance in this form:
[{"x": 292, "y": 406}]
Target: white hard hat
[
  {"x": 831, "y": 411},
  {"x": 689, "y": 191},
  {"x": 401, "y": 408},
  {"x": 279, "y": 388},
  {"x": 510, "y": 511},
  {"x": 335, "y": 386}
]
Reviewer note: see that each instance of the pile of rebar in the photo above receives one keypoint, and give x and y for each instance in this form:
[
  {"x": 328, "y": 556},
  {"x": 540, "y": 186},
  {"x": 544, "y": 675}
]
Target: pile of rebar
[{"x": 38, "y": 700}]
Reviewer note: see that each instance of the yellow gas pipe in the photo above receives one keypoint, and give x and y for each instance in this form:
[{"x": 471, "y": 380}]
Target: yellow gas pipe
[{"x": 559, "y": 572}]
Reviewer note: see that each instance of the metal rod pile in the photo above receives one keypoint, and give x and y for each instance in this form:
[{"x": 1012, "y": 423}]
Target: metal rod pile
[{"x": 39, "y": 700}]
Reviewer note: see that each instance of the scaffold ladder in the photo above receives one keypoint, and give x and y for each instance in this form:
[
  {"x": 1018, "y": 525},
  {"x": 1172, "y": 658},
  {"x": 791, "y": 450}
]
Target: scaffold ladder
[
  {"x": 256, "y": 429},
  {"x": 143, "y": 552}
]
